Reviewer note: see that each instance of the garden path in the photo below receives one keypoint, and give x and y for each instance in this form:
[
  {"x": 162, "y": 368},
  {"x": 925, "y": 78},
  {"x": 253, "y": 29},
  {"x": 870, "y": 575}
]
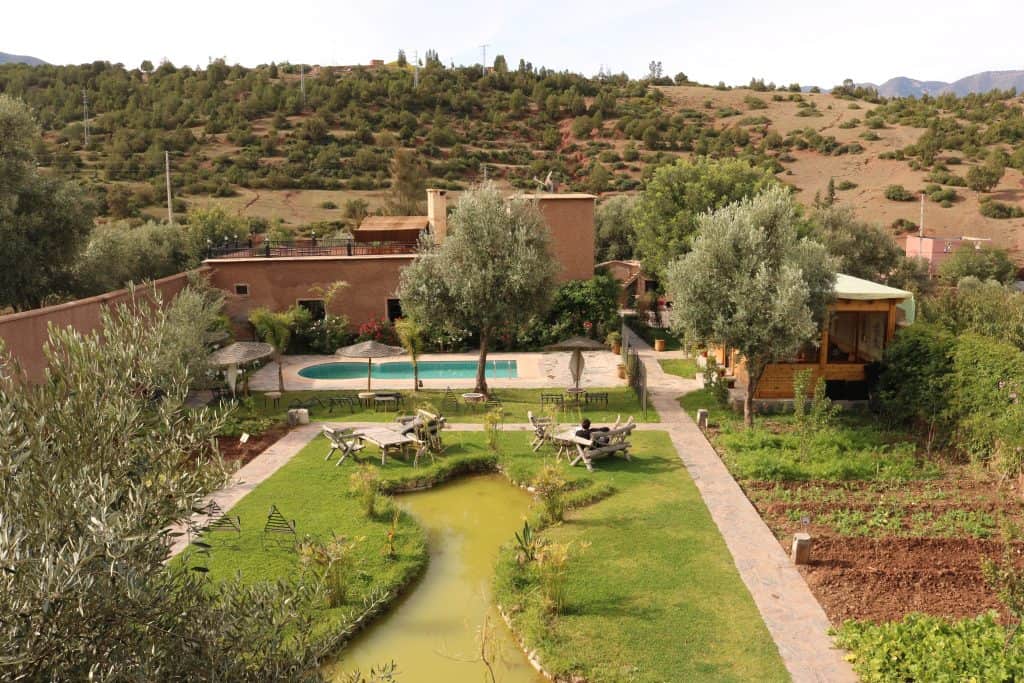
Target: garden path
[{"x": 794, "y": 618}]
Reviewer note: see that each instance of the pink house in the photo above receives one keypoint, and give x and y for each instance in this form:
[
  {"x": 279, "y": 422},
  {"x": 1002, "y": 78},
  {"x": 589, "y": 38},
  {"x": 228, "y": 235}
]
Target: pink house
[{"x": 935, "y": 250}]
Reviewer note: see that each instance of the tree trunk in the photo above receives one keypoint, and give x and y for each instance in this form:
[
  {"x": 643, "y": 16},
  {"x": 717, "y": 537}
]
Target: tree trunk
[
  {"x": 481, "y": 365},
  {"x": 753, "y": 377},
  {"x": 415, "y": 374},
  {"x": 280, "y": 373}
]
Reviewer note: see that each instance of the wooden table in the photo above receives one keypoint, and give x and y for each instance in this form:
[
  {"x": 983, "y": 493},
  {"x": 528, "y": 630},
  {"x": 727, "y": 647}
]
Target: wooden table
[
  {"x": 386, "y": 440},
  {"x": 366, "y": 398},
  {"x": 565, "y": 442},
  {"x": 575, "y": 394}
]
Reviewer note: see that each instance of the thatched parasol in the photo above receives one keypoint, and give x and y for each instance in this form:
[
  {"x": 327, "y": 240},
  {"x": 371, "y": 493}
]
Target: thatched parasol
[
  {"x": 577, "y": 345},
  {"x": 369, "y": 350},
  {"x": 239, "y": 353}
]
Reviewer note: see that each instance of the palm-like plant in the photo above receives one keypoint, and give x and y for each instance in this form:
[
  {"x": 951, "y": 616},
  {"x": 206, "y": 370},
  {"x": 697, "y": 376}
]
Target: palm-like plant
[
  {"x": 411, "y": 335},
  {"x": 276, "y": 330}
]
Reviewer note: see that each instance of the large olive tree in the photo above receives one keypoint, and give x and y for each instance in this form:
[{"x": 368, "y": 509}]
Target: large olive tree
[
  {"x": 96, "y": 463},
  {"x": 492, "y": 272},
  {"x": 752, "y": 284}
]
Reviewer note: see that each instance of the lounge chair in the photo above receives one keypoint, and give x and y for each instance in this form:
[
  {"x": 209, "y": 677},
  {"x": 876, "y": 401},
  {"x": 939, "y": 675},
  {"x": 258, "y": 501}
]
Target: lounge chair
[
  {"x": 427, "y": 436},
  {"x": 614, "y": 442}
]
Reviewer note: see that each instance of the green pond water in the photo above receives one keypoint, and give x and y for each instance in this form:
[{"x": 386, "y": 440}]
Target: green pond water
[{"x": 433, "y": 633}]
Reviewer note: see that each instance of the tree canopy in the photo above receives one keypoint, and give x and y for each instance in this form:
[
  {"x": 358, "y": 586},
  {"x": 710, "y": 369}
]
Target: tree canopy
[
  {"x": 668, "y": 210},
  {"x": 752, "y": 284},
  {"x": 614, "y": 231},
  {"x": 44, "y": 222},
  {"x": 987, "y": 263},
  {"x": 491, "y": 273}
]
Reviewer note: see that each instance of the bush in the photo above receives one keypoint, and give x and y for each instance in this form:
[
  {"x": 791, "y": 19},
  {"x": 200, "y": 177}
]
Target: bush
[
  {"x": 898, "y": 193},
  {"x": 984, "y": 264},
  {"x": 925, "y": 648},
  {"x": 992, "y": 209},
  {"x": 846, "y": 185}
]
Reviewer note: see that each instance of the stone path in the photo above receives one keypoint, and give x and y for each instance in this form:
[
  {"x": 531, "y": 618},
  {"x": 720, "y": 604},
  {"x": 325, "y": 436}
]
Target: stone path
[{"x": 793, "y": 616}]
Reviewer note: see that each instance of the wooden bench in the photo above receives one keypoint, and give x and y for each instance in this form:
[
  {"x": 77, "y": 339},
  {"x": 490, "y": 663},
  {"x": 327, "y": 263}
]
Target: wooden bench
[
  {"x": 596, "y": 397},
  {"x": 278, "y": 529},
  {"x": 552, "y": 399},
  {"x": 614, "y": 442}
]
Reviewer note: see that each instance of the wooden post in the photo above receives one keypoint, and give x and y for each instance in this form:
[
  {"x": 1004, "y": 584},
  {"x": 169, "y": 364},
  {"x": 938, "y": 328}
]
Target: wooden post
[
  {"x": 702, "y": 418},
  {"x": 801, "y": 552},
  {"x": 890, "y": 323},
  {"x": 823, "y": 351}
]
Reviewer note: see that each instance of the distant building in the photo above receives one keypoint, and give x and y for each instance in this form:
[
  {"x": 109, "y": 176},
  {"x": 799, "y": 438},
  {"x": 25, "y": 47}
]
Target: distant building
[{"x": 935, "y": 250}]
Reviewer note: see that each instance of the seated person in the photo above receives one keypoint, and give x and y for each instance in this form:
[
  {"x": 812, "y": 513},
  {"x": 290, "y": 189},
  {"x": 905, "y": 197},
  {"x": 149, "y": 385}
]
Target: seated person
[{"x": 587, "y": 432}]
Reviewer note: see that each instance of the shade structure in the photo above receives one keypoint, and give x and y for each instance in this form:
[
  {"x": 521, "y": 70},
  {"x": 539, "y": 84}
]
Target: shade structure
[
  {"x": 239, "y": 353},
  {"x": 369, "y": 350},
  {"x": 577, "y": 345}
]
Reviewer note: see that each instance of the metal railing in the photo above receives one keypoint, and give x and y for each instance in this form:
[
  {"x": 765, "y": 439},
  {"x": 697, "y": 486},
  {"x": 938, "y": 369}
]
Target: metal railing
[
  {"x": 636, "y": 372},
  {"x": 306, "y": 247}
]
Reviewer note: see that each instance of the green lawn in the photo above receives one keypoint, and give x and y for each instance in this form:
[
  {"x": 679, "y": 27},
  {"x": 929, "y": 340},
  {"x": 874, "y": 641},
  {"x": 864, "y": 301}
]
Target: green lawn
[
  {"x": 655, "y": 596},
  {"x": 515, "y": 403},
  {"x": 682, "y": 367}
]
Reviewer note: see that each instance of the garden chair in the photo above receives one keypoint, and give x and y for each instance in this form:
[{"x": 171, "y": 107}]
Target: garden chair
[
  {"x": 343, "y": 441},
  {"x": 614, "y": 442},
  {"x": 552, "y": 399},
  {"x": 278, "y": 529},
  {"x": 340, "y": 400},
  {"x": 427, "y": 437},
  {"x": 542, "y": 429}
]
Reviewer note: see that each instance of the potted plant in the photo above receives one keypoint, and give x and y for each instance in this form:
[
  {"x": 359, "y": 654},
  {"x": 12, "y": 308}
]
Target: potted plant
[
  {"x": 659, "y": 343},
  {"x": 614, "y": 340}
]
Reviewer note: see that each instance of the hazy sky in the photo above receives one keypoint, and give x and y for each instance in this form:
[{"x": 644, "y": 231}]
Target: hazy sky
[{"x": 730, "y": 40}]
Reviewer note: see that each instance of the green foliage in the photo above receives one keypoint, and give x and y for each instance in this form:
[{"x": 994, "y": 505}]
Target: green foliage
[
  {"x": 332, "y": 563},
  {"x": 134, "y": 460},
  {"x": 987, "y": 263},
  {"x": 898, "y": 193},
  {"x": 408, "y": 184},
  {"x": 213, "y": 226},
  {"x": 990, "y": 208},
  {"x": 493, "y": 271},
  {"x": 550, "y": 487},
  {"x": 527, "y": 543},
  {"x": 926, "y": 648},
  {"x": 752, "y": 284},
  {"x": 985, "y": 177},
  {"x": 276, "y": 330},
  {"x": 44, "y": 221},
  {"x": 576, "y": 303},
  {"x": 364, "y": 484},
  {"x": 412, "y": 336},
  {"x": 714, "y": 382},
  {"x": 984, "y": 307},
  {"x": 801, "y": 387},
  {"x": 117, "y": 254},
  {"x": 667, "y": 213},
  {"x": 614, "y": 231}
]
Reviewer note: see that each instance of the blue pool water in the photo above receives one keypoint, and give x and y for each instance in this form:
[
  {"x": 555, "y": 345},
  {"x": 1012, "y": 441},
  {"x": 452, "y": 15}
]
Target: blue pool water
[{"x": 429, "y": 369}]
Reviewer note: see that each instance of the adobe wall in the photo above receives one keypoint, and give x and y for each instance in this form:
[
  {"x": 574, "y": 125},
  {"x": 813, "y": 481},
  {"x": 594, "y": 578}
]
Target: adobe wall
[
  {"x": 572, "y": 235},
  {"x": 278, "y": 283},
  {"x": 25, "y": 333}
]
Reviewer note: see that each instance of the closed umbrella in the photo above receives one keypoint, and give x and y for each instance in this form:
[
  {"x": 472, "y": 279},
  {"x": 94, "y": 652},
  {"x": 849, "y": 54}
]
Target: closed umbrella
[
  {"x": 577, "y": 345},
  {"x": 239, "y": 353},
  {"x": 369, "y": 350}
]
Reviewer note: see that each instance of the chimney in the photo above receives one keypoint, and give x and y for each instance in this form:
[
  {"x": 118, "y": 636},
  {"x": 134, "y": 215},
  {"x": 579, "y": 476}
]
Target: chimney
[{"x": 437, "y": 213}]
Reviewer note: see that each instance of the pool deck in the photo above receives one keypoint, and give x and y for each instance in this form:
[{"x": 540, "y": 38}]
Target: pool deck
[{"x": 534, "y": 370}]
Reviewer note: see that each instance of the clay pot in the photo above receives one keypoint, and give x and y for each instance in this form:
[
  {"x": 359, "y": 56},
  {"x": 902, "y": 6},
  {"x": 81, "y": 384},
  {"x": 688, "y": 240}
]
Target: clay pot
[
  {"x": 659, "y": 344},
  {"x": 616, "y": 349}
]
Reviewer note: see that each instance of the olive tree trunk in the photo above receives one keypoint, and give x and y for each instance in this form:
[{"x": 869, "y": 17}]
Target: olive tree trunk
[
  {"x": 754, "y": 372},
  {"x": 481, "y": 364}
]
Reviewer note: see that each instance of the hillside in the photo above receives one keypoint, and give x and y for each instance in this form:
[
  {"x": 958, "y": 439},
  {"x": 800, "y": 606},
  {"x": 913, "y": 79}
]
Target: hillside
[
  {"x": 20, "y": 59},
  {"x": 244, "y": 138}
]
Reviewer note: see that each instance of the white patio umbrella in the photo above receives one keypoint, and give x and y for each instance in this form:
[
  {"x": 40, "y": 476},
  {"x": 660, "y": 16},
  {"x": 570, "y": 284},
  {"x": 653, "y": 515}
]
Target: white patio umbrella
[
  {"x": 369, "y": 350},
  {"x": 239, "y": 353},
  {"x": 577, "y": 345}
]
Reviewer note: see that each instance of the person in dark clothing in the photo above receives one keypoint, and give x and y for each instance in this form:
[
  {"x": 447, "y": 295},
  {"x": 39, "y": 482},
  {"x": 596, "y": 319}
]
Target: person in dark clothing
[{"x": 587, "y": 432}]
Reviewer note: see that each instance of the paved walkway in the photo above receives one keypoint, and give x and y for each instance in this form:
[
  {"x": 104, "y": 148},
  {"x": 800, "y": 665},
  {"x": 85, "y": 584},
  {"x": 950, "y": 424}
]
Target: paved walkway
[{"x": 793, "y": 616}]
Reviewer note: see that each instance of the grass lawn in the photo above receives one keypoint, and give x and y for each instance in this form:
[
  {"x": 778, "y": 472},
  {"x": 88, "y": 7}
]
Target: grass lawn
[
  {"x": 655, "y": 596},
  {"x": 682, "y": 367},
  {"x": 515, "y": 403}
]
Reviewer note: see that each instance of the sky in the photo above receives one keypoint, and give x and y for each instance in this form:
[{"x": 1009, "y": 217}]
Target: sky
[{"x": 812, "y": 43}]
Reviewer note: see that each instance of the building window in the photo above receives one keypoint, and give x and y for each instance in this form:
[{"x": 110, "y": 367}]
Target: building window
[
  {"x": 394, "y": 311},
  {"x": 315, "y": 307},
  {"x": 242, "y": 289}
]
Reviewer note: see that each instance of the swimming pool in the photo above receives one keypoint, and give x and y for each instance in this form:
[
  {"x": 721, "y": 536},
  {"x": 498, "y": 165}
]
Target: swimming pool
[{"x": 429, "y": 369}]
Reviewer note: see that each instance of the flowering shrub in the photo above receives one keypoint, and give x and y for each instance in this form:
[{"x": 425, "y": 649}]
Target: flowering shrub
[{"x": 378, "y": 330}]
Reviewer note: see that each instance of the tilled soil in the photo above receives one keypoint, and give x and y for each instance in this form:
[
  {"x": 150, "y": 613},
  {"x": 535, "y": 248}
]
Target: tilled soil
[
  {"x": 232, "y": 450},
  {"x": 890, "y": 573}
]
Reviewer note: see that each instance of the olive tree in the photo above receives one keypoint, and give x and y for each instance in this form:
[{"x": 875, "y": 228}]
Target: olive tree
[
  {"x": 752, "y": 284},
  {"x": 492, "y": 272},
  {"x": 98, "y": 462}
]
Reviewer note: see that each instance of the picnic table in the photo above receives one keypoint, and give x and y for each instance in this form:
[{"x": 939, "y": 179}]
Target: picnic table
[
  {"x": 386, "y": 440},
  {"x": 565, "y": 442}
]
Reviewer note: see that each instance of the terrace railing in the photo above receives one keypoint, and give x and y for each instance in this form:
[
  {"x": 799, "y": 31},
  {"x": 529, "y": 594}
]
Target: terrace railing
[
  {"x": 636, "y": 372},
  {"x": 306, "y": 247}
]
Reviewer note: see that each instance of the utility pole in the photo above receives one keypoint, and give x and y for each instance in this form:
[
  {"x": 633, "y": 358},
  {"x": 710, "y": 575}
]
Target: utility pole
[
  {"x": 483, "y": 65},
  {"x": 167, "y": 175},
  {"x": 85, "y": 116},
  {"x": 302, "y": 83},
  {"x": 416, "y": 69}
]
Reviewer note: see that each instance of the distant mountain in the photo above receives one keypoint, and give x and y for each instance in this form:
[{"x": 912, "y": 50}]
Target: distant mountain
[
  {"x": 19, "y": 59},
  {"x": 976, "y": 83}
]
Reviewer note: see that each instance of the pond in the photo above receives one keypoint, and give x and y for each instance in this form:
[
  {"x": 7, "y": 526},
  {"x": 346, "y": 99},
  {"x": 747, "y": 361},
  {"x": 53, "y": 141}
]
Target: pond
[
  {"x": 428, "y": 369},
  {"x": 432, "y": 634}
]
